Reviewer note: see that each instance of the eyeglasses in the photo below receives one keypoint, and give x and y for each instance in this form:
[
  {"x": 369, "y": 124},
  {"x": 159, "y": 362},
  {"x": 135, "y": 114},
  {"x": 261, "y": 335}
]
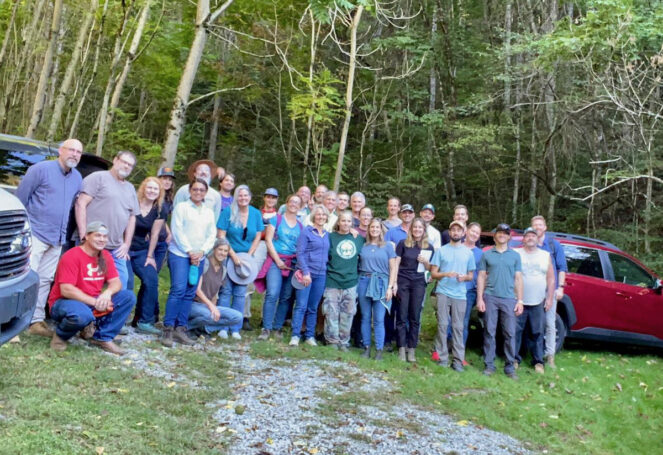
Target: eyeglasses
[
  {"x": 126, "y": 163},
  {"x": 198, "y": 190}
]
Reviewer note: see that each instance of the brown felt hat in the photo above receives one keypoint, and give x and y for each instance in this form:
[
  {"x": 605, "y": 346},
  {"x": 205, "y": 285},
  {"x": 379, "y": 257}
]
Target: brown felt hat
[{"x": 195, "y": 164}]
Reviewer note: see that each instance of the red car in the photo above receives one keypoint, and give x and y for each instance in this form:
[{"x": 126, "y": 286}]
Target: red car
[{"x": 609, "y": 295}]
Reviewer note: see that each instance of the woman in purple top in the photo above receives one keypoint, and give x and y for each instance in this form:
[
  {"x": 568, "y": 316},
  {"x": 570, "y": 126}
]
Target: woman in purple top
[
  {"x": 365, "y": 217},
  {"x": 312, "y": 252}
]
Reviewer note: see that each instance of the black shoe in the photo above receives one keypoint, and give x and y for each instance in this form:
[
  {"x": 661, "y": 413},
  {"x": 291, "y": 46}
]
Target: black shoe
[
  {"x": 512, "y": 375},
  {"x": 367, "y": 352},
  {"x": 378, "y": 354},
  {"x": 247, "y": 325},
  {"x": 457, "y": 367},
  {"x": 443, "y": 363},
  {"x": 488, "y": 372}
]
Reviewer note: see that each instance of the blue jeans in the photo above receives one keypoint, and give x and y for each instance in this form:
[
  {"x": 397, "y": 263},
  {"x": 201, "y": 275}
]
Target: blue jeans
[
  {"x": 121, "y": 266},
  {"x": 147, "y": 303},
  {"x": 471, "y": 302},
  {"x": 236, "y": 293},
  {"x": 72, "y": 316},
  {"x": 306, "y": 306},
  {"x": 181, "y": 293},
  {"x": 370, "y": 307},
  {"x": 535, "y": 317},
  {"x": 160, "y": 254},
  {"x": 279, "y": 289},
  {"x": 200, "y": 317}
]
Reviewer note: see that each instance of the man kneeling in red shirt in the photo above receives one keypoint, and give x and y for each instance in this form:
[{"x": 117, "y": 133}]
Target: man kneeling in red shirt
[{"x": 78, "y": 300}]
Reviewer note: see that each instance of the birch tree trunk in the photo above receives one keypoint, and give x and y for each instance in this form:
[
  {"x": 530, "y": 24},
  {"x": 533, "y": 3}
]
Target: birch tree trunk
[
  {"x": 40, "y": 96},
  {"x": 70, "y": 71},
  {"x": 348, "y": 95},
  {"x": 10, "y": 24},
  {"x": 178, "y": 112}
]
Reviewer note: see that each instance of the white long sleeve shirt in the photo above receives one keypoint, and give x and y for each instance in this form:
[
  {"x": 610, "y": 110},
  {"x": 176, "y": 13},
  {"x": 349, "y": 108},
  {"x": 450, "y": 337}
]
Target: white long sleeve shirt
[{"x": 193, "y": 228}]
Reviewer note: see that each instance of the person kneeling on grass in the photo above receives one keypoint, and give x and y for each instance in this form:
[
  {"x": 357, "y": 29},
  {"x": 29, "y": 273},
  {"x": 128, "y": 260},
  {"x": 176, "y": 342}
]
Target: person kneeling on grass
[
  {"x": 207, "y": 315},
  {"x": 78, "y": 301}
]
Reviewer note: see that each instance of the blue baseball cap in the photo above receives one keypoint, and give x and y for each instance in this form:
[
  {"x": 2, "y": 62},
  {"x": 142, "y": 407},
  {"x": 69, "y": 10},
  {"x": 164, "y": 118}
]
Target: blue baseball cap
[
  {"x": 428, "y": 207},
  {"x": 271, "y": 192}
]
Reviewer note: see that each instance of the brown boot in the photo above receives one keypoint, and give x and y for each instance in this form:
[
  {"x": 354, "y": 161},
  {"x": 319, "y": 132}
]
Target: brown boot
[
  {"x": 181, "y": 336},
  {"x": 167, "y": 336},
  {"x": 550, "y": 361},
  {"x": 88, "y": 331},
  {"x": 57, "y": 343},
  {"x": 401, "y": 354},
  {"x": 410, "y": 355},
  {"x": 107, "y": 346},
  {"x": 40, "y": 329}
]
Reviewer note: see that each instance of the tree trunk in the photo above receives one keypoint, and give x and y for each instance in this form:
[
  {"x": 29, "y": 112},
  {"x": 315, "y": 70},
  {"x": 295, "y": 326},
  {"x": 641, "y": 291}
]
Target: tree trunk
[
  {"x": 10, "y": 24},
  {"x": 40, "y": 96},
  {"x": 131, "y": 57},
  {"x": 348, "y": 95},
  {"x": 70, "y": 71},
  {"x": 214, "y": 131},
  {"x": 178, "y": 112}
]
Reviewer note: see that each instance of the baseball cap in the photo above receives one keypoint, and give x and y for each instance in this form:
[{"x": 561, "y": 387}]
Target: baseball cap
[
  {"x": 271, "y": 192},
  {"x": 166, "y": 172},
  {"x": 96, "y": 226},
  {"x": 503, "y": 227},
  {"x": 429, "y": 207},
  {"x": 529, "y": 230},
  {"x": 457, "y": 223},
  {"x": 407, "y": 208}
]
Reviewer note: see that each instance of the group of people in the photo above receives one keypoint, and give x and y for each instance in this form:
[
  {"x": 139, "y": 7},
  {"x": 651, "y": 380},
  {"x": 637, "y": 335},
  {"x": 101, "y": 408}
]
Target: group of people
[{"x": 323, "y": 260}]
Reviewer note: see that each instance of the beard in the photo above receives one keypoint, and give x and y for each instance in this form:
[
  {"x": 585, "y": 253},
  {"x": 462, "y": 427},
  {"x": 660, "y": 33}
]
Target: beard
[
  {"x": 123, "y": 174},
  {"x": 71, "y": 163},
  {"x": 456, "y": 239}
]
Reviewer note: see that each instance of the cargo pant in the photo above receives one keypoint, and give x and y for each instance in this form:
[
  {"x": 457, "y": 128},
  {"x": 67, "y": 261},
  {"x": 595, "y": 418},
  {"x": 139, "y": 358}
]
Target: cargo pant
[{"x": 339, "y": 308}]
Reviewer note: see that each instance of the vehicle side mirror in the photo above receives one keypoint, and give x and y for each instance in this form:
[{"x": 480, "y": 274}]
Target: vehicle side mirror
[{"x": 658, "y": 286}]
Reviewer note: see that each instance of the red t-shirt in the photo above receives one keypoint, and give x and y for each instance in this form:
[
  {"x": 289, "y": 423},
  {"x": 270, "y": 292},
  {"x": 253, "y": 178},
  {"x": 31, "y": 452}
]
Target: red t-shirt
[{"x": 78, "y": 268}]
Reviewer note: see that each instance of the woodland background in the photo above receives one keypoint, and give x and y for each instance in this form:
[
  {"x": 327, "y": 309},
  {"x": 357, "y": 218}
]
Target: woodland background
[{"x": 512, "y": 107}]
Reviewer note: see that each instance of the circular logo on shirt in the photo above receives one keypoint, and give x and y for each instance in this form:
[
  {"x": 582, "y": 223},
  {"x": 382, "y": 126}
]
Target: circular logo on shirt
[{"x": 346, "y": 249}]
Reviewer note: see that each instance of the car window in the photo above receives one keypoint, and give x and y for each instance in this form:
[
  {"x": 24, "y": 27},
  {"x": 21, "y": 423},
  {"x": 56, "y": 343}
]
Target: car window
[
  {"x": 628, "y": 272},
  {"x": 14, "y": 164},
  {"x": 583, "y": 261}
]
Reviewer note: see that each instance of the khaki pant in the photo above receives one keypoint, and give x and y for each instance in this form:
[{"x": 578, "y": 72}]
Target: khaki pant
[
  {"x": 43, "y": 260},
  {"x": 457, "y": 308}
]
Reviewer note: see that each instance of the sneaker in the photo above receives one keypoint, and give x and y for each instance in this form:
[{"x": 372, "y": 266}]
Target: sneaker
[
  {"x": 367, "y": 353},
  {"x": 401, "y": 355},
  {"x": 278, "y": 334},
  {"x": 167, "y": 336},
  {"x": 57, "y": 343},
  {"x": 343, "y": 348},
  {"x": 40, "y": 329},
  {"x": 246, "y": 325},
  {"x": 223, "y": 334},
  {"x": 236, "y": 336},
  {"x": 88, "y": 331},
  {"x": 443, "y": 363},
  {"x": 550, "y": 361},
  {"x": 488, "y": 372},
  {"x": 538, "y": 368},
  {"x": 435, "y": 357},
  {"x": 124, "y": 330},
  {"x": 107, "y": 346},
  {"x": 311, "y": 341},
  {"x": 457, "y": 367},
  {"x": 410, "y": 355},
  {"x": 180, "y": 335},
  {"x": 264, "y": 335},
  {"x": 378, "y": 354},
  {"x": 294, "y": 341},
  {"x": 147, "y": 328},
  {"x": 512, "y": 375},
  {"x": 466, "y": 363}
]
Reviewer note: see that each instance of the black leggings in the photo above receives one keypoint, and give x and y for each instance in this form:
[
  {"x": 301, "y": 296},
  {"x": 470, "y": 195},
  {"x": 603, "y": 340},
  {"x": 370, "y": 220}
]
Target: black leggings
[{"x": 410, "y": 298}]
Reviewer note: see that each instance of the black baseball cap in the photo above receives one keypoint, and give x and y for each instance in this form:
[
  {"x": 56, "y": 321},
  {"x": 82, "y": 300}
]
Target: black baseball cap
[
  {"x": 407, "y": 208},
  {"x": 503, "y": 227}
]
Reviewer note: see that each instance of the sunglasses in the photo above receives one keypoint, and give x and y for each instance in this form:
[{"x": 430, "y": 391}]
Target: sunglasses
[{"x": 245, "y": 233}]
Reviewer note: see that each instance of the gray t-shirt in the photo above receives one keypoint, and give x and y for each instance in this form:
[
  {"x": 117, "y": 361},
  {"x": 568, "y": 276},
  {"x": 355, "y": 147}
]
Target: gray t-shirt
[
  {"x": 113, "y": 202},
  {"x": 535, "y": 266}
]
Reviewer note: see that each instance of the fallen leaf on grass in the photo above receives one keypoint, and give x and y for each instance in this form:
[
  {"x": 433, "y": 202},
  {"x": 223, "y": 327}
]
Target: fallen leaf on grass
[
  {"x": 462, "y": 423},
  {"x": 313, "y": 450},
  {"x": 170, "y": 385},
  {"x": 618, "y": 386},
  {"x": 553, "y": 416},
  {"x": 99, "y": 450},
  {"x": 644, "y": 386},
  {"x": 543, "y": 425},
  {"x": 269, "y": 441}
]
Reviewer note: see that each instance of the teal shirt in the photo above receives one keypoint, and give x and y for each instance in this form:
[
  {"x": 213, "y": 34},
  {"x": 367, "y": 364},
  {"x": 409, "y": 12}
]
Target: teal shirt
[
  {"x": 343, "y": 260},
  {"x": 501, "y": 269},
  {"x": 239, "y": 240},
  {"x": 458, "y": 259}
]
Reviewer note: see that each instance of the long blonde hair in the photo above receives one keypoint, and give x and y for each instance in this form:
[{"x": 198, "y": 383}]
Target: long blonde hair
[
  {"x": 141, "y": 191},
  {"x": 380, "y": 238},
  {"x": 338, "y": 220},
  {"x": 409, "y": 240}
]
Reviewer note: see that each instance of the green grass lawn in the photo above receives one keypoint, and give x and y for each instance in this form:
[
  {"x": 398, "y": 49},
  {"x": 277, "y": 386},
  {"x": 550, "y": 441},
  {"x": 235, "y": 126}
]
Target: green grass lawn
[{"x": 80, "y": 401}]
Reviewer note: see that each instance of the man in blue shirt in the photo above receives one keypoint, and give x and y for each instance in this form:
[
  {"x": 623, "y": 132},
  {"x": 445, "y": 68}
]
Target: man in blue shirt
[
  {"x": 47, "y": 191},
  {"x": 500, "y": 296},
  {"x": 398, "y": 233},
  {"x": 552, "y": 246},
  {"x": 452, "y": 264}
]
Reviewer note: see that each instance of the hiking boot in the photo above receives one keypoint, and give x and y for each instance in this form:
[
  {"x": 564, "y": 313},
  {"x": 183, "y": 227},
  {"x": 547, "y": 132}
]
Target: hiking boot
[
  {"x": 410, "y": 355},
  {"x": 107, "y": 346},
  {"x": 147, "y": 328},
  {"x": 294, "y": 341},
  {"x": 538, "y": 368},
  {"x": 401, "y": 354},
  {"x": 223, "y": 334},
  {"x": 512, "y": 375},
  {"x": 88, "y": 331},
  {"x": 182, "y": 337},
  {"x": 311, "y": 341},
  {"x": 278, "y": 335},
  {"x": 457, "y": 367},
  {"x": 378, "y": 354},
  {"x": 264, "y": 335},
  {"x": 443, "y": 363},
  {"x": 167, "y": 336},
  {"x": 367, "y": 353},
  {"x": 343, "y": 348},
  {"x": 246, "y": 325},
  {"x": 236, "y": 336},
  {"x": 488, "y": 372},
  {"x": 550, "y": 361},
  {"x": 57, "y": 343},
  {"x": 40, "y": 329}
]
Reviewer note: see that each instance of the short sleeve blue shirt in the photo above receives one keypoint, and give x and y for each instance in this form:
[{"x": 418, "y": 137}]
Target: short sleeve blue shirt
[
  {"x": 375, "y": 259},
  {"x": 239, "y": 241},
  {"x": 285, "y": 236},
  {"x": 501, "y": 269},
  {"x": 451, "y": 258}
]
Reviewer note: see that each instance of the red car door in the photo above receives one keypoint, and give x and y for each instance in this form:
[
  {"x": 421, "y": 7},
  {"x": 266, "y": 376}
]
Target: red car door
[
  {"x": 592, "y": 295},
  {"x": 639, "y": 306}
]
